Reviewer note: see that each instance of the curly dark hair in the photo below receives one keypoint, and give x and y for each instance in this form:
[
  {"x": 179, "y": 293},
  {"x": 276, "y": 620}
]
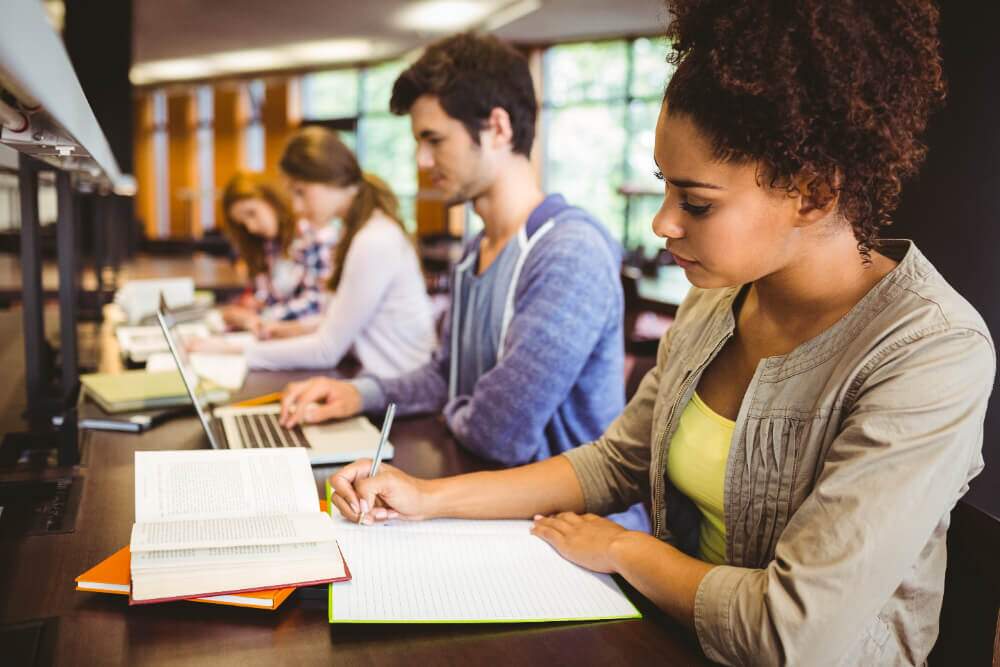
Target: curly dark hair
[
  {"x": 472, "y": 74},
  {"x": 837, "y": 92}
]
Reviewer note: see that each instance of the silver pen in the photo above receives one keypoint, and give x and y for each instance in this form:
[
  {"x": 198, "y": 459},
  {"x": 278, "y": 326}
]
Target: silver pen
[{"x": 382, "y": 437}]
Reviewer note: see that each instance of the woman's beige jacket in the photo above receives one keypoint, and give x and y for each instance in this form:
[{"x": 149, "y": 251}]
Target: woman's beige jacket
[{"x": 848, "y": 455}]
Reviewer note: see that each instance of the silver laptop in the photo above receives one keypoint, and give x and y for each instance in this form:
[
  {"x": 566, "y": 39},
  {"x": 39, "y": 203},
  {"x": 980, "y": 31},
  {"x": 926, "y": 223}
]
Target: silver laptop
[{"x": 234, "y": 427}]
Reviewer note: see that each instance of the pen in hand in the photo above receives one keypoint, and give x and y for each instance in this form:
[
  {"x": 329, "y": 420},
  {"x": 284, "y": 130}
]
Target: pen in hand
[{"x": 383, "y": 436}]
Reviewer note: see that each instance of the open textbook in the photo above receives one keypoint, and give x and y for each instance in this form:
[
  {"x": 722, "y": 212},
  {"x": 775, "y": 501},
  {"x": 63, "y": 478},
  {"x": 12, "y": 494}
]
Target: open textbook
[
  {"x": 225, "y": 521},
  {"x": 456, "y": 571}
]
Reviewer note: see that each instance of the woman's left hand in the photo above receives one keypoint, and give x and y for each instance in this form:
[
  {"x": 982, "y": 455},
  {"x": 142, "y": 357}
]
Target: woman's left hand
[{"x": 582, "y": 539}]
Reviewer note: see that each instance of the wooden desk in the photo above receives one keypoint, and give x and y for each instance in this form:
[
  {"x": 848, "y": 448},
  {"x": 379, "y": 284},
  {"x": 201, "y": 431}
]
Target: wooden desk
[{"x": 36, "y": 582}]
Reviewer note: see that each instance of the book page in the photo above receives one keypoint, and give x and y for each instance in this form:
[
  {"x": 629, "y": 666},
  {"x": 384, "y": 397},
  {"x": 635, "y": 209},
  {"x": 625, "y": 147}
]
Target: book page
[
  {"x": 237, "y": 531},
  {"x": 218, "y": 483},
  {"x": 229, "y": 556},
  {"x": 465, "y": 571}
]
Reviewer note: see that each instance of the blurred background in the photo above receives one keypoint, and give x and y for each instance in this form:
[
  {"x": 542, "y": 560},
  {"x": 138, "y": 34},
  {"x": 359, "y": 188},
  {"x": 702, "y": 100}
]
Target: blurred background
[{"x": 190, "y": 92}]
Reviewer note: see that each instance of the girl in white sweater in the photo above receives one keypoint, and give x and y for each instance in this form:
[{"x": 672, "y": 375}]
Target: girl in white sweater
[{"x": 378, "y": 306}]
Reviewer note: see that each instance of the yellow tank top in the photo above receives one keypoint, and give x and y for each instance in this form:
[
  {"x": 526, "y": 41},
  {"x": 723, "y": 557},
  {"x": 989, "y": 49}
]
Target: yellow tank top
[{"x": 696, "y": 465}]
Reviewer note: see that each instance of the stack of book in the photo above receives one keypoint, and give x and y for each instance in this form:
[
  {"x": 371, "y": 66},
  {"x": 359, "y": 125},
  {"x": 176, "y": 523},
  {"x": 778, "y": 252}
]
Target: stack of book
[
  {"x": 237, "y": 527},
  {"x": 112, "y": 576}
]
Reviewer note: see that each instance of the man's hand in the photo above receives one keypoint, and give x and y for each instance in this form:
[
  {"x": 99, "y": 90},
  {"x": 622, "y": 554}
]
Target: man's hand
[{"x": 318, "y": 399}]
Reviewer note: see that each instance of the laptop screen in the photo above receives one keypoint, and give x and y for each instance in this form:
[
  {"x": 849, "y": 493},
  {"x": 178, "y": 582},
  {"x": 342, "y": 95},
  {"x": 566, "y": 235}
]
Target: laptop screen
[{"x": 168, "y": 322}]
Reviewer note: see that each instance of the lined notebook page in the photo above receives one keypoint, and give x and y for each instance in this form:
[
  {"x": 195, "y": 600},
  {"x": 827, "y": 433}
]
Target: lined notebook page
[{"x": 465, "y": 571}]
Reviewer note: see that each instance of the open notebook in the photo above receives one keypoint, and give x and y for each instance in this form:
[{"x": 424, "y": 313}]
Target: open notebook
[{"x": 454, "y": 571}]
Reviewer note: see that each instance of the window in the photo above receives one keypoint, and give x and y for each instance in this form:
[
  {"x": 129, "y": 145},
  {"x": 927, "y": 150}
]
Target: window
[
  {"x": 599, "y": 114},
  {"x": 332, "y": 94},
  {"x": 204, "y": 140},
  {"x": 161, "y": 163},
  {"x": 385, "y": 143},
  {"x": 254, "y": 129},
  {"x": 382, "y": 141}
]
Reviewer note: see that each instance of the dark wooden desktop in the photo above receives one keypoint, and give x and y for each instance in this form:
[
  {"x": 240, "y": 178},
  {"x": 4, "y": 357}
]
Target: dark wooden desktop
[{"x": 36, "y": 582}]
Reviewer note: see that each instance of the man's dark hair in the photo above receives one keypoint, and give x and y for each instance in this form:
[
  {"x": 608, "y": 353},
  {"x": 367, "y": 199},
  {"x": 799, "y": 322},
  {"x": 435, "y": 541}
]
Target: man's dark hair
[{"x": 471, "y": 75}]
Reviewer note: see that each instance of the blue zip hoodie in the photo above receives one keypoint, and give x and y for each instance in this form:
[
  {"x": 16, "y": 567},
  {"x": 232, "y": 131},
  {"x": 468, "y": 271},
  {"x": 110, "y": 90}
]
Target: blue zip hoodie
[{"x": 558, "y": 379}]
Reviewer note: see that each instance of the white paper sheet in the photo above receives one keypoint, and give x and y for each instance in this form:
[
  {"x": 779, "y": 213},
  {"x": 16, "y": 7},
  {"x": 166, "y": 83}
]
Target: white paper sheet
[
  {"x": 226, "y": 370},
  {"x": 465, "y": 571},
  {"x": 160, "y": 361}
]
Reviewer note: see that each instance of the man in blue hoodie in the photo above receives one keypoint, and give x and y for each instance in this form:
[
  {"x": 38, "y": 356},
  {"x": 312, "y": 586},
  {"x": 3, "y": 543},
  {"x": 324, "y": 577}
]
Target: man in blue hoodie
[{"x": 531, "y": 361}]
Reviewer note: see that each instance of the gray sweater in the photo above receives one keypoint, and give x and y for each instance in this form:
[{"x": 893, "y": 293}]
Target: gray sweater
[{"x": 557, "y": 380}]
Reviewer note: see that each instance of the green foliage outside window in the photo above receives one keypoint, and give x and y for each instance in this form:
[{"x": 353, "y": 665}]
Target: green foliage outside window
[
  {"x": 601, "y": 103},
  {"x": 388, "y": 150},
  {"x": 584, "y": 150},
  {"x": 378, "y": 85},
  {"x": 650, "y": 71},
  {"x": 586, "y": 72},
  {"x": 332, "y": 94}
]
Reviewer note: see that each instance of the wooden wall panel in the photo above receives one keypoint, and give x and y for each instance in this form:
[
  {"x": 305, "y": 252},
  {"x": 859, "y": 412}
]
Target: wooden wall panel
[
  {"x": 145, "y": 173},
  {"x": 228, "y": 139},
  {"x": 279, "y": 123},
  {"x": 432, "y": 218},
  {"x": 182, "y": 159}
]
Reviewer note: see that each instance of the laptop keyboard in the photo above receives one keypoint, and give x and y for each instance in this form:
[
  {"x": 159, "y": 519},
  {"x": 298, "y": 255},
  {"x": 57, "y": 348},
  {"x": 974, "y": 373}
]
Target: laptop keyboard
[{"x": 264, "y": 431}]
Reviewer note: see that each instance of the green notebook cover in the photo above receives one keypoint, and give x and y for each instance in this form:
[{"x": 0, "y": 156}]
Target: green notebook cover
[
  {"x": 138, "y": 390},
  {"x": 631, "y": 613}
]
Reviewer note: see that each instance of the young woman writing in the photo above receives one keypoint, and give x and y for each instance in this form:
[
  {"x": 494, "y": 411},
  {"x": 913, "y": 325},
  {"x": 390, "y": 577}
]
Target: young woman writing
[{"x": 817, "y": 407}]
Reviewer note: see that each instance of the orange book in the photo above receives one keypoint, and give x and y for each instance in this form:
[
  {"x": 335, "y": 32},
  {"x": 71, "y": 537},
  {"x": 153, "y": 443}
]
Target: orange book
[{"x": 111, "y": 575}]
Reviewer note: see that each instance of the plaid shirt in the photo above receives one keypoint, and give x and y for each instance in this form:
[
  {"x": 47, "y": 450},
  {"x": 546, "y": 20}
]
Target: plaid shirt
[{"x": 294, "y": 286}]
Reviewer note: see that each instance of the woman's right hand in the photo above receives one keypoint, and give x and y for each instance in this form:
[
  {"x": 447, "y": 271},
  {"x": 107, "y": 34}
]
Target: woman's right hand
[{"x": 391, "y": 494}]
